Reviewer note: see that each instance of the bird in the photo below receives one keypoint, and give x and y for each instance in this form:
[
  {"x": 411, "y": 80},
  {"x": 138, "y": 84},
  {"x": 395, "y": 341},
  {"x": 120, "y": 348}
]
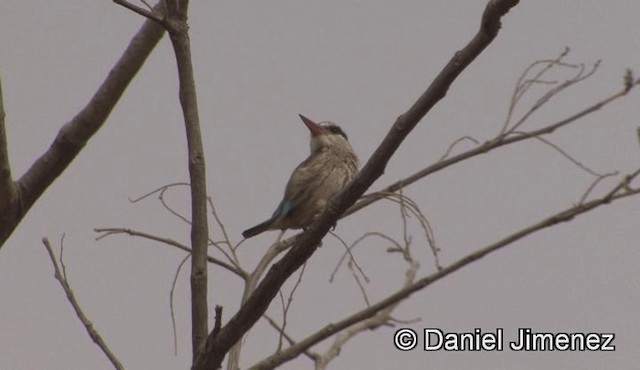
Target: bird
[{"x": 328, "y": 169}]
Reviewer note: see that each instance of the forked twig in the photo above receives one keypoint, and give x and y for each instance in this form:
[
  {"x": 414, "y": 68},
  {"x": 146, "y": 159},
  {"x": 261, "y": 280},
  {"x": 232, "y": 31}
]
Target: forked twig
[{"x": 61, "y": 276}]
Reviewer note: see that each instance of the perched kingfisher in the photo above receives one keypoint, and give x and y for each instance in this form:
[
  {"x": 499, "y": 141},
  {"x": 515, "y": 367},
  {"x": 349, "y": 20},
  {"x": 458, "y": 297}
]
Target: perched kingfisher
[{"x": 331, "y": 165}]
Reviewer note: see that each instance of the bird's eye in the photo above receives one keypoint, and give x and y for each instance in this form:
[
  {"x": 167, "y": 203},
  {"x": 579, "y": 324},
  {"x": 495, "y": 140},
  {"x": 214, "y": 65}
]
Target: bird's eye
[{"x": 337, "y": 130}]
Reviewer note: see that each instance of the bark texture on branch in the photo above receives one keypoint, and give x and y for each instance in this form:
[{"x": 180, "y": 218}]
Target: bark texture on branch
[
  {"x": 218, "y": 344},
  {"x": 18, "y": 197}
]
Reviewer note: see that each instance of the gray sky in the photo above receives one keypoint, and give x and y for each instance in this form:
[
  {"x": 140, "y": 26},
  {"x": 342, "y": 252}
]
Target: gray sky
[{"x": 360, "y": 64}]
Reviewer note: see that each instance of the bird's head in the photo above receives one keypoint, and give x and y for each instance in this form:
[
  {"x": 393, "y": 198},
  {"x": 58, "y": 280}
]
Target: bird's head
[{"x": 326, "y": 134}]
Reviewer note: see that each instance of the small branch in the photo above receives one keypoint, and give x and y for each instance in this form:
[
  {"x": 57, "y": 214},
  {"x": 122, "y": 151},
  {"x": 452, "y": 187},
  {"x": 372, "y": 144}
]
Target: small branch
[
  {"x": 352, "y": 259},
  {"x": 227, "y": 240},
  {"x": 568, "y": 156},
  {"x": 622, "y": 190},
  {"x": 312, "y": 355},
  {"x": 580, "y": 76},
  {"x": 584, "y": 196},
  {"x": 249, "y": 286},
  {"x": 218, "y": 346},
  {"x": 456, "y": 142},
  {"x": 379, "y": 319},
  {"x": 486, "y": 147},
  {"x": 523, "y": 84},
  {"x": 161, "y": 191},
  {"x": 173, "y": 316},
  {"x": 112, "y": 231},
  {"x": 93, "y": 333},
  {"x": 150, "y": 14},
  {"x": 286, "y": 306}
]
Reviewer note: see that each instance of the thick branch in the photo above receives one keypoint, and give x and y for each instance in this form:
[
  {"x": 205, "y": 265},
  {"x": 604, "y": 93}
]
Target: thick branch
[
  {"x": 199, "y": 227},
  {"x": 74, "y": 135},
  {"x": 619, "y": 192},
  {"x": 486, "y": 147},
  {"x": 246, "y": 317}
]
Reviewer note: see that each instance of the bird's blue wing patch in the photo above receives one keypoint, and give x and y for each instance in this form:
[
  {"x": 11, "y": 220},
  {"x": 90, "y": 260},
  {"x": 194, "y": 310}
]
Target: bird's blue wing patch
[{"x": 283, "y": 209}]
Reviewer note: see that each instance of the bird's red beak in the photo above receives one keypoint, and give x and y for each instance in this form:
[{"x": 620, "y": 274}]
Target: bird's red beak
[{"x": 312, "y": 126}]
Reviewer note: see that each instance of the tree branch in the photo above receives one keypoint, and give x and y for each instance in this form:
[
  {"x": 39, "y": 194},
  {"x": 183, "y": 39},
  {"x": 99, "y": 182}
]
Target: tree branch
[
  {"x": 75, "y": 134},
  {"x": 8, "y": 192},
  {"x": 150, "y": 14},
  {"x": 93, "y": 333},
  {"x": 179, "y": 34},
  {"x": 218, "y": 345},
  {"x": 109, "y": 231},
  {"x": 620, "y": 191},
  {"x": 502, "y": 139},
  {"x": 499, "y": 141}
]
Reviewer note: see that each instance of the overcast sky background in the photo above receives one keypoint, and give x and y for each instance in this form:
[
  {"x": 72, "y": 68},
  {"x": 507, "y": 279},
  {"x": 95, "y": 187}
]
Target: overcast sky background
[{"x": 360, "y": 64}]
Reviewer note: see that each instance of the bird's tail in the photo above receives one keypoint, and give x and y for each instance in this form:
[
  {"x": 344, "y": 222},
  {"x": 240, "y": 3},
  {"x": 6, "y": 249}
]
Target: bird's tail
[{"x": 258, "y": 229}]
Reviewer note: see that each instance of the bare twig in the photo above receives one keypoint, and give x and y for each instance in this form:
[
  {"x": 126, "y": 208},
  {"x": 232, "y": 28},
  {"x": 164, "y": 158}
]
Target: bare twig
[
  {"x": 568, "y": 156},
  {"x": 112, "y": 231},
  {"x": 250, "y": 283},
  {"x": 353, "y": 245},
  {"x": 486, "y": 147},
  {"x": 523, "y": 84},
  {"x": 456, "y": 142},
  {"x": 407, "y": 204},
  {"x": 584, "y": 196},
  {"x": 173, "y": 316},
  {"x": 312, "y": 355},
  {"x": 171, "y": 210},
  {"x": 352, "y": 258},
  {"x": 287, "y": 305},
  {"x": 61, "y": 276},
  {"x": 381, "y": 318},
  {"x": 161, "y": 191},
  {"x": 580, "y": 76},
  {"x": 227, "y": 240},
  {"x": 150, "y": 14},
  {"x": 621, "y": 191},
  {"x": 158, "y": 190}
]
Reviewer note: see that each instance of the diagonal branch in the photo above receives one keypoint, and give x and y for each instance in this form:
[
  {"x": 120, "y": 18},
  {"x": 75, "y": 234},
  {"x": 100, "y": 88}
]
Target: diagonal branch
[
  {"x": 151, "y": 14},
  {"x": 75, "y": 134},
  {"x": 620, "y": 191},
  {"x": 61, "y": 276},
  {"x": 218, "y": 345},
  {"x": 501, "y": 140}
]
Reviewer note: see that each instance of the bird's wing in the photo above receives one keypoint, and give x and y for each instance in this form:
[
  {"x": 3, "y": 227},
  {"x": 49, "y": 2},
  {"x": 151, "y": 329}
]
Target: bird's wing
[
  {"x": 304, "y": 179},
  {"x": 283, "y": 209}
]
